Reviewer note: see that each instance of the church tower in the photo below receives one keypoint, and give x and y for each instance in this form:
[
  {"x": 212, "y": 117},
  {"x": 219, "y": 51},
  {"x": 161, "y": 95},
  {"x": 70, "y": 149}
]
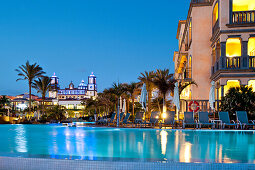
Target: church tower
[
  {"x": 54, "y": 86},
  {"x": 92, "y": 87}
]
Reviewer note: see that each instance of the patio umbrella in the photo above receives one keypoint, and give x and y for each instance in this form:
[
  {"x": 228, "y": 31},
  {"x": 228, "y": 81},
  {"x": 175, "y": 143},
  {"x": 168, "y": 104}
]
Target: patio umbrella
[
  {"x": 120, "y": 103},
  {"x": 176, "y": 98},
  {"x": 143, "y": 96},
  {"x": 124, "y": 106},
  {"x": 212, "y": 95}
]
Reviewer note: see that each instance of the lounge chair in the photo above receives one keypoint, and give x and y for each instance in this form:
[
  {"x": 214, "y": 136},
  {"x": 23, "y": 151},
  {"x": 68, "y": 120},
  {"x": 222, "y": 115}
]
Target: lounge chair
[
  {"x": 189, "y": 120},
  {"x": 169, "y": 120},
  {"x": 203, "y": 119},
  {"x": 225, "y": 121},
  {"x": 153, "y": 119},
  {"x": 138, "y": 118},
  {"x": 242, "y": 119},
  {"x": 112, "y": 119},
  {"x": 125, "y": 120}
]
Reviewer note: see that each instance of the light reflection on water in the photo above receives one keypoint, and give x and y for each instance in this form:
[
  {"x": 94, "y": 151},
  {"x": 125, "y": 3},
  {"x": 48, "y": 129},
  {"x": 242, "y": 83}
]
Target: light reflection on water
[{"x": 95, "y": 143}]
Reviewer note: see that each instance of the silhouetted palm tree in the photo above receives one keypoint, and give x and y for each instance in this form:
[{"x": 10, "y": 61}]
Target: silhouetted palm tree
[
  {"x": 30, "y": 73},
  {"x": 130, "y": 90},
  {"x": 147, "y": 78},
  {"x": 183, "y": 85},
  {"x": 164, "y": 81},
  {"x": 42, "y": 85}
]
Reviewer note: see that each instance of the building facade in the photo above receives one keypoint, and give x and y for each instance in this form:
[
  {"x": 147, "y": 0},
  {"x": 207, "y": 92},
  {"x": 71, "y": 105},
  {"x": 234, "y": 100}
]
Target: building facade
[
  {"x": 71, "y": 97},
  {"x": 216, "y": 43}
]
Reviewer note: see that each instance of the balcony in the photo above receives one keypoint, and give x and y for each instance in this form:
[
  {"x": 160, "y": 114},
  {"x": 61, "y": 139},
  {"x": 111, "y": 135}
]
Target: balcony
[
  {"x": 252, "y": 62},
  {"x": 243, "y": 17},
  {"x": 233, "y": 64}
]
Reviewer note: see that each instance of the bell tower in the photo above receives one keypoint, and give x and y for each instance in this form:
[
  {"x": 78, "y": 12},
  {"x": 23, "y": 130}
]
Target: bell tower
[
  {"x": 92, "y": 87},
  {"x": 54, "y": 86}
]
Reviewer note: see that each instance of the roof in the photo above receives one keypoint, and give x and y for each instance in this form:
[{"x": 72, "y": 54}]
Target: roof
[{"x": 179, "y": 27}]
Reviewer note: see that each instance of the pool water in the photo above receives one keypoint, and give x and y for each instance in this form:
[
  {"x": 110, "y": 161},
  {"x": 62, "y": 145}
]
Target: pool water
[{"x": 46, "y": 141}]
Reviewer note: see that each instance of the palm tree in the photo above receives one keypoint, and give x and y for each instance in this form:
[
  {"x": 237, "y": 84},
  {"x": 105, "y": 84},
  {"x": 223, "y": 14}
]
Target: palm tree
[
  {"x": 157, "y": 104},
  {"x": 30, "y": 73},
  {"x": 147, "y": 78},
  {"x": 183, "y": 85},
  {"x": 42, "y": 85},
  {"x": 164, "y": 81},
  {"x": 4, "y": 101},
  {"x": 130, "y": 89}
]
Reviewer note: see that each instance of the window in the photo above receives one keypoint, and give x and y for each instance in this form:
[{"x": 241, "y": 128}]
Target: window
[
  {"x": 233, "y": 47},
  {"x": 243, "y": 5},
  {"x": 251, "y": 84},
  {"x": 190, "y": 30},
  {"x": 215, "y": 13},
  {"x": 251, "y": 46},
  {"x": 230, "y": 84}
]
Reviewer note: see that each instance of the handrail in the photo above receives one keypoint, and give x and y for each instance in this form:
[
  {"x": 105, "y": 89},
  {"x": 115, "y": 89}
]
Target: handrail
[{"x": 243, "y": 17}]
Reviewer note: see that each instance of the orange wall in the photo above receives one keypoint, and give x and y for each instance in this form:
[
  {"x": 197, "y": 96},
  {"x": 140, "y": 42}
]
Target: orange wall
[{"x": 201, "y": 51}]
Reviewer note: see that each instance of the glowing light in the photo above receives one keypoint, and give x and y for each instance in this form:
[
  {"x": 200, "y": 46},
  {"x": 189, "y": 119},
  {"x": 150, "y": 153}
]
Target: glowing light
[
  {"x": 243, "y": 5},
  {"x": 233, "y": 47},
  {"x": 22, "y": 106},
  {"x": 163, "y": 135},
  {"x": 251, "y": 46},
  {"x": 164, "y": 115},
  {"x": 157, "y": 117}
]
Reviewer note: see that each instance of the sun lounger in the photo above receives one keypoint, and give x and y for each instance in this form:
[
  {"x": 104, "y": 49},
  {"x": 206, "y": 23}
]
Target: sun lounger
[
  {"x": 169, "y": 120},
  {"x": 189, "y": 120},
  {"x": 138, "y": 118},
  {"x": 125, "y": 120},
  {"x": 242, "y": 119},
  {"x": 225, "y": 121},
  {"x": 112, "y": 119},
  {"x": 153, "y": 119},
  {"x": 203, "y": 119}
]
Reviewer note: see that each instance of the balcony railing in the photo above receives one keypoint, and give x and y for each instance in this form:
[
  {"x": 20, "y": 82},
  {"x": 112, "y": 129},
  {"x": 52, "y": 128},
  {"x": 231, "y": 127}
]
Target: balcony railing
[
  {"x": 232, "y": 62},
  {"x": 252, "y": 62},
  {"x": 243, "y": 17}
]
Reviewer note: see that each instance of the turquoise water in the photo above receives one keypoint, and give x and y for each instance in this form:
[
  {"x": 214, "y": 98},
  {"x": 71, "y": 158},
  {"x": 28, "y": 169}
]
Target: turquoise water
[{"x": 88, "y": 143}]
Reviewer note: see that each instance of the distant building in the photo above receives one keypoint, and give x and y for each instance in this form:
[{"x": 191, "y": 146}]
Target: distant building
[{"x": 71, "y": 97}]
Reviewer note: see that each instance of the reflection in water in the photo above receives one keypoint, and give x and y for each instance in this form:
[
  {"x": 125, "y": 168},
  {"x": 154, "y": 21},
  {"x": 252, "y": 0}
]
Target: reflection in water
[
  {"x": 96, "y": 143},
  {"x": 163, "y": 135},
  {"x": 20, "y": 139}
]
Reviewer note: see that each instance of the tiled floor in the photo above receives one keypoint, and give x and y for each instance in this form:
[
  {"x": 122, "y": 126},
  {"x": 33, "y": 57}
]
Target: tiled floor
[{"x": 13, "y": 163}]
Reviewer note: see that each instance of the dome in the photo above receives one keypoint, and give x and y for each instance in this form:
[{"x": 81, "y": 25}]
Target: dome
[{"x": 82, "y": 85}]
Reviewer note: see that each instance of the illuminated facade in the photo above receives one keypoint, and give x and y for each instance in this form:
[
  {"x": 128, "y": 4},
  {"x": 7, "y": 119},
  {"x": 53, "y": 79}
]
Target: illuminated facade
[
  {"x": 216, "y": 43},
  {"x": 71, "y": 97}
]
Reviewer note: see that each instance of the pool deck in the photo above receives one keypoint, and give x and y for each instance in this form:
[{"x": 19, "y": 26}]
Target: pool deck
[{"x": 18, "y": 163}]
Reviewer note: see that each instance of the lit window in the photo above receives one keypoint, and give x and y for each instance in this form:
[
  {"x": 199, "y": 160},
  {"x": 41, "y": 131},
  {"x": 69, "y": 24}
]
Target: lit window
[
  {"x": 251, "y": 83},
  {"x": 215, "y": 13},
  {"x": 251, "y": 46},
  {"x": 243, "y": 5},
  {"x": 233, "y": 47},
  {"x": 230, "y": 84},
  {"x": 190, "y": 30}
]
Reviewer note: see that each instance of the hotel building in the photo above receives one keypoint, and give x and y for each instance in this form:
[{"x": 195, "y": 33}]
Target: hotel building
[
  {"x": 71, "y": 97},
  {"x": 216, "y": 43}
]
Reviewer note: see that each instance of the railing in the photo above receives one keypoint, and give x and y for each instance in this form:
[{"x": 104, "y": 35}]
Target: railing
[
  {"x": 252, "y": 62},
  {"x": 243, "y": 17},
  {"x": 204, "y": 105},
  {"x": 232, "y": 62}
]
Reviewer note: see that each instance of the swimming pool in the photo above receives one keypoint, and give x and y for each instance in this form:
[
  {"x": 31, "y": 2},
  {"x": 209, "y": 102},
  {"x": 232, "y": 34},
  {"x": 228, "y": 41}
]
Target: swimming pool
[{"x": 87, "y": 143}]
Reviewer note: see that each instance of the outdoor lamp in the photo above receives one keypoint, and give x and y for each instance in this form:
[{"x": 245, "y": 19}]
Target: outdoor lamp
[{"x": 164, "y": 115}]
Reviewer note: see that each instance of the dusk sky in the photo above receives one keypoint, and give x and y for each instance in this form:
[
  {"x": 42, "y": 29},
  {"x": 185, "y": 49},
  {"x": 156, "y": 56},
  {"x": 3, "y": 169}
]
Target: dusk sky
[{"x": 116, "y": 39}]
